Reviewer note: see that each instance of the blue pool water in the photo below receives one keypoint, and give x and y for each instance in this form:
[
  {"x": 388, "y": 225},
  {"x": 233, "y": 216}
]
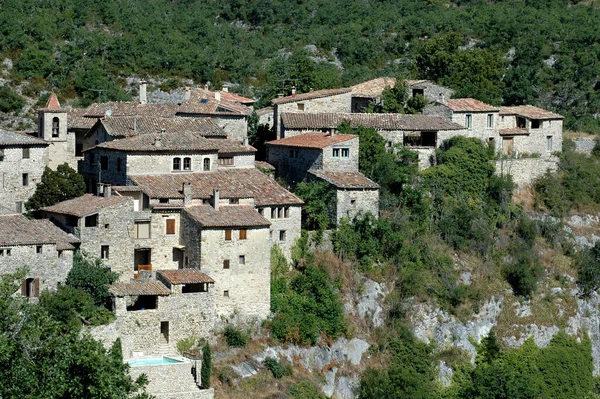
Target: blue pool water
[{"x": 153, "y": 362}]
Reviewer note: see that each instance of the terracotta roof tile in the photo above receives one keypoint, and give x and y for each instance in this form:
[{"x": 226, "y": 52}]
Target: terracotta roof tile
[
  {"x": 264, "y": 111},
  {"x": 513, "y": 131},
  {"x": 12, "y": 138},
  {"x": 18, "y": 230},
  {"x": 347, "y": 180},
  {"x": 76, "y": 119},
  {"x": 469, "y": 105},
  {"x": 127, "y": 126},
  {"x": 161, "y": 142},
  {"x": 204, "y": 102},
  {"x": 236, "y": 98},
  {"x": 185, "y": 276},
  {"x": 310, "y": 95},
  {"x": 52, "y": 102},
  {"x": 231, "y": 183},
  {"x": 227, "y": 216},
  {"x": 139, "y": 288},
  {"x": 132, "y": 108},
  {"x": 402, "y": 122},
  {"x": 529, "y": 111},
  {"x": 85, "y": 205},
  {"x": 313, "y": 140},
  {"x": 264, "y": 165},
  {"x": 372, "y": 88}
]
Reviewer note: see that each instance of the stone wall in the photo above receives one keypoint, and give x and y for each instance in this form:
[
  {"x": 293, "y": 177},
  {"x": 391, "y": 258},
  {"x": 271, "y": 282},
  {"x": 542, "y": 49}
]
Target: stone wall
[
  {"x": 584, "y": 145},
  {"x": 341, "y": 164},
  {"x": 240, "y": 161},
  {"x": 352, "y": 202},
  {"x": 431, "y": 91},
  {"x": 12, "y": 168},
  {"x": 236, "y": 127},
  {"x": 536, "y": 141},
  {"x": 340, "y": 103},
  {"x": 294, "y": 169},
  {"x": 526, "y": 170},
  {"x": 291, "y": 225},
  {"x": 243, "y": 288},
  {"x": 50, "y": 265}
]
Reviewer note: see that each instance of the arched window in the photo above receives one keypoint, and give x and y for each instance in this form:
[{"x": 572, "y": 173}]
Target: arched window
[
  {"x": 206, "y": 164},
  {"x": 176, "y": 163},
  {"x": 55, "y": 126},
  {"x": 187, "y": 163}
]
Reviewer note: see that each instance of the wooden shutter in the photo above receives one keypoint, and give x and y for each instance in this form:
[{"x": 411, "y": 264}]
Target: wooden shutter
[
  {"x": 226, "y": 264},
  {"x": 24, "y": 288},
  {"x": 243, "y": 233},
  {"x": 170, "y": 226},
  {"x": 36, "y": 287},
  {"x": 228, "y": 235}
]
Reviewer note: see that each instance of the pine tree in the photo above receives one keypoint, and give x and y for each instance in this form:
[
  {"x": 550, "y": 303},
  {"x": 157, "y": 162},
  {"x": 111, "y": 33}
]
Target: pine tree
[{"x": 206, "y": 366}]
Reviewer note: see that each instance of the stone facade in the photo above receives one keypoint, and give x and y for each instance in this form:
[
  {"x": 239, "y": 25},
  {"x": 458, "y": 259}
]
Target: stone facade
[
  {"x": 48, "y": 265},
  {"x": 173, "y": 381},
  {"x": 236, "y": 127},
  {"x": 285, "y": 225},
  {"x": 543, "y": 138},
  {"x": 526, "y": 170},
  {"x": 21, "y": 168},
  {"x": 351, "y": 202},
  {"x": 240, "y": 267}
]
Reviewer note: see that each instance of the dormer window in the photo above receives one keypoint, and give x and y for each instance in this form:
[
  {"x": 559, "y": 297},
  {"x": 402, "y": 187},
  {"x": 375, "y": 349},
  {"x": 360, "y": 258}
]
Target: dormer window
[
  {"x": 176, "y": 163},
  {"x": 55, "y": 126},
  {"x": 187, "y": 163}
]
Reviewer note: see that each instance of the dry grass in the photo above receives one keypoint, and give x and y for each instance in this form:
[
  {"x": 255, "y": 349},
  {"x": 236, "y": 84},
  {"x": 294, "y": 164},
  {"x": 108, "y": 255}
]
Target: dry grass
[
  {"x": 525, "y": 197},
  {"x": 571, "y": 135}
]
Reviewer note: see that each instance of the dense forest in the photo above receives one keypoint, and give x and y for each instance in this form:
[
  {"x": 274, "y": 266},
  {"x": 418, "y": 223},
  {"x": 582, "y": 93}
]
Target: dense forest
[{"x": 504, "y": 52}]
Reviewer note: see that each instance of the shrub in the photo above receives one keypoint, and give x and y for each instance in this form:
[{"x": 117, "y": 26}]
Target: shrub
[
  {"x": 10, "y": 101},
  {"x": 523, "y": 273},
  {"x": 185, "y": 345},
  {"x": 587, "y": 263},
  {"x": 274, "y": 367},
  {"x": 304, "y": 390},
  {"x": 235, "y": 337},
  {"x": 92, "y": 277}
]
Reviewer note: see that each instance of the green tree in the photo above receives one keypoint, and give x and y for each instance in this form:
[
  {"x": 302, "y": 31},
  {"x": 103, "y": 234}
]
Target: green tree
[
  {"x": 55, "y": 186},
  {"x": 206, "y": 370},
  {"x": 92, "y": 277},
  {"x": 319, "y": 198},
  {"x": 10, "y": 101}
]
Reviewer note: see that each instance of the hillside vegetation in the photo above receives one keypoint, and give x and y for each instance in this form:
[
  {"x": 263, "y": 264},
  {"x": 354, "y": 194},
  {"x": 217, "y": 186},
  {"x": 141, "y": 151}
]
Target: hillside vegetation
[{"x": 540, "y": 52}]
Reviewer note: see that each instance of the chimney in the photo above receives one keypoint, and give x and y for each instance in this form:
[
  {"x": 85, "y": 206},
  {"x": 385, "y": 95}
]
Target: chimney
[
  {"x": 134, "y": 125},
  {"x": 187, "y": 193},
  {"x": 206, "y": 86},
  {"x": 186, "y": 93},
  {"x": 441, "y": 98},
  {"x": 245, "y": 141},
  {"x": 218, "y": 95},
  {"x": 100, "y": 189},
  {"x": 107, "y": 191},
  {"x": 216, "y": 199},
  {"x": 143, "y": 99},
  {"x": 293, "y": 91},
  {"x": 225, "y": 89},
  {"x": 331, "y": 132}
]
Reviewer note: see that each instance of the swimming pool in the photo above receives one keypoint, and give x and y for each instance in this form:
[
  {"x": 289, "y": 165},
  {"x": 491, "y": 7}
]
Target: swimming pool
[{"x": 153, "y": 361}]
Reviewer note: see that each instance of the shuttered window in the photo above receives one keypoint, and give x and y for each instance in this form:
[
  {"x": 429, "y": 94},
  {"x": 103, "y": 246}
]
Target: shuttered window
[
  {"x": 170, "y": 226},
  {"x": 243, "y": 233},
  {"x": 227, "y": 235}
]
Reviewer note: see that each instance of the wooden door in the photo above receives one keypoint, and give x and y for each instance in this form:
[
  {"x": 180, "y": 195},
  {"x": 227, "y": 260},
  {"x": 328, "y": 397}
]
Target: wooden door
[{"x": 507, "y": 145}]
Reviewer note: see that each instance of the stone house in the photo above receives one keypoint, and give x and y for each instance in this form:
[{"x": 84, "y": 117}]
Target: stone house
[
  {"x": 115, "y": 161},
  {"x": 40, "y": 246},
  {"x": 328, "y": 157},
  {"x": 23, "y": 159},
  {"x": 231, "y": 243},
  {"x": 330, "y": 100},
  {"x": 265, "y": 117},
  {"x": 107, "y": 227},
  {"x": 420, "y": 133},
  {"x": 370, "y": 91}
]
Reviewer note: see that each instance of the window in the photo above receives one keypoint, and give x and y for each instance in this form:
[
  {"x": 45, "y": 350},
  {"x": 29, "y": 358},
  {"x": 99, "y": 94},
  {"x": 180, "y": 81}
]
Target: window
[
  {"x": 242, "y": 259},
  {"x": 336, "y": 152},
  {"x": 187, "y": 163},
  {"x": 234, "y": 201},
  {"x": 273, "y": 213},
  {"x": 549, "y": 143},
  {"x": 176, "y": 163},
  {"x": 226, "y": 264},
  {"x": 78, "y": 149},
  {"x": 8, "y": 252},
  {"x": 91, "y": 220},
  {"x": 25, "y": 178},
  {"x": 104, "y": 252},
  {"x": 293, "y": 153},
  {"x": 226, "y": 293},
  {"x": 226, "y": 161},
  {"x": 243, "y": 234},
  {"x": 227, "y": 235},
  {"x": 281, "y": 235},
  {"x": 468, "y": 120},
  {"x": 286, "y": 212},
  {"x": 536, "y": 124},
  {"x": 31, "y": 288},
  {"x": 206, "y": 164},
  {"x": 38, "y": 249},
  {"x": 521, "y": 122},
  {"x": 353, "y": 203},
  {"x": 163, "y": 200},
  {"x": 261, "y": 211},
  {"x": 142, "y": 230},
  {"x": 119, "y": 164},
  {"x": 300, "y": 106},
  {"x": 345, "y": 152},
  {"x": 92, "y": 160},
  {"x": 279, "y": 213},
  {"x": 104, "y": 162},
  {"x": 106, "y": 225},
  {"x": 60, "y": 255},
  {"x": 490, "y": 121},
  {"x": 25, "y": 152},
  {"x": 170, "y": 226},
  {"x": 55, "y": 127}
]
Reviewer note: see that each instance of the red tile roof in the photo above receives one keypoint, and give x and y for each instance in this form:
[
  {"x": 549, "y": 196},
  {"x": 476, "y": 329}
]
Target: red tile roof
[
  {"x": 227, "y": 216},
  {"x": 52, "y": 102},
  {"x": 529, "y": 111},
  {"x": 469, "y": 105},
  {"x": 185, "y": 276},
  {"x": 127, "y": 126},
  {"x": 19, "y": 139},
  {"x": 310, "y": 95},
  {"x": 236, "y": 98},
  {"x": 87, "y": 204},
  {"x": 347, "y": 180},
  {"x": 204, "y": 102},
  {"x": 264, "y": 165},
  {"x": 513, "y": 131},
  {"x": 76, "y": 119},
  {"x": 313, "y": 140},
  {"x": 139, "y": 288},
  {"x": 402, "y": 122},
  {"x": 232, "y": 183},
  {"x": 162, "y": 142},
  {"x": 16, "y": 229},
  {"x": 131, "y": 108}
]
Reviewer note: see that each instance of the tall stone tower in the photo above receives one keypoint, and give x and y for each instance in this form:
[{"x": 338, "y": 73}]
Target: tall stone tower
[{"x": 52, "y": 127}]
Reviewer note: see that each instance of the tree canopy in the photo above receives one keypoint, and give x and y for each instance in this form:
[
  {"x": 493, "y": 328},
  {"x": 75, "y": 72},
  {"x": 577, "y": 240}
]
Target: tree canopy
[{"x": 55, "y": 186}]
